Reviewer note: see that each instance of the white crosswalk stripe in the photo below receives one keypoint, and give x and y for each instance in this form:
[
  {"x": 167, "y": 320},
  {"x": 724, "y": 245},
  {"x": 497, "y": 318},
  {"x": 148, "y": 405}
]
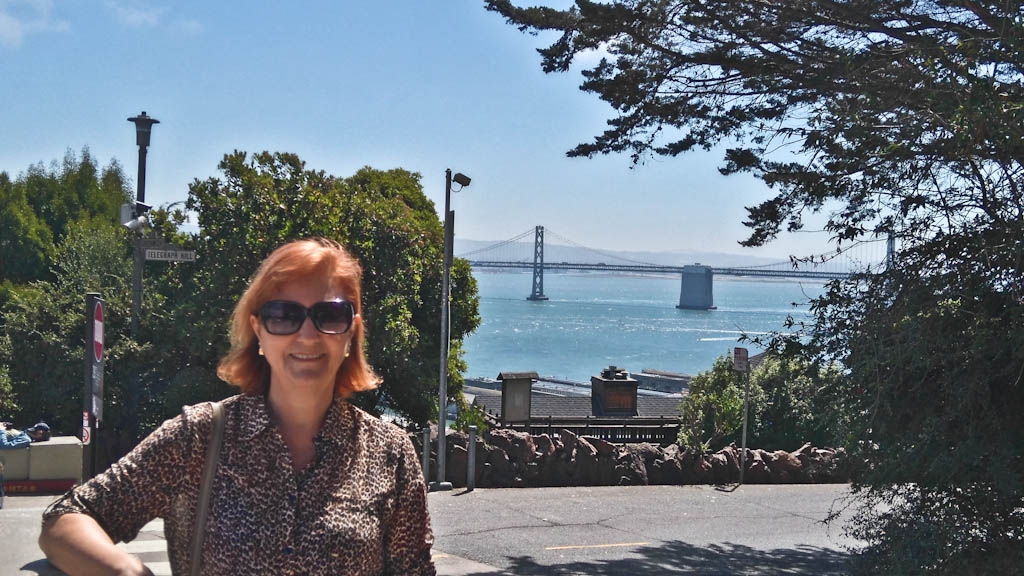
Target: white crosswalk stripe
[{"x": 150, "y": 541}]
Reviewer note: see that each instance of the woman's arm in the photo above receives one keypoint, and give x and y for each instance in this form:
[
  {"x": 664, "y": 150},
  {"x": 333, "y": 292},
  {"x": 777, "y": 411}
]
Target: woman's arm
[
  {"x": 77, "y": 545},
  {"x": 81, "y": 527}
]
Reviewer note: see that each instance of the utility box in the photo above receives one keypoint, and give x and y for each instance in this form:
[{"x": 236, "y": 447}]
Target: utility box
[
  {"x": 15, "y": 462},
  {"x": 516, "y": 392},
  {"x": 59, "y": 458}
]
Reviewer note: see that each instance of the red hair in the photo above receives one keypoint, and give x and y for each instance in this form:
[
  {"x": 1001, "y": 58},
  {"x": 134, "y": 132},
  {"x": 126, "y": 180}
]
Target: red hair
[{"x": 309, "y": 259}]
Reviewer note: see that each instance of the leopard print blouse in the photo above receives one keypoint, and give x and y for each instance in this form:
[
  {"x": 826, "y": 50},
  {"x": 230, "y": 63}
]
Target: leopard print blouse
[{"x": 359, "y": 509}]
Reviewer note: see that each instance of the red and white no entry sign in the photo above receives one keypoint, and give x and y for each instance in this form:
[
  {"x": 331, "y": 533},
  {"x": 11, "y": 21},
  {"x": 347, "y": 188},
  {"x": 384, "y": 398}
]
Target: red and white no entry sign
[{"x": 97, "y": 332}]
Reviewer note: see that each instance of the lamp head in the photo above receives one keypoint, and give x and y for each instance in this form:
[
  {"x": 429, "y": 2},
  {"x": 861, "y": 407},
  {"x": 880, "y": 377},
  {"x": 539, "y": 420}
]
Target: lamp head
[
  {"x": 143, "y": 127},
  {"x": 461, "y": 179}
]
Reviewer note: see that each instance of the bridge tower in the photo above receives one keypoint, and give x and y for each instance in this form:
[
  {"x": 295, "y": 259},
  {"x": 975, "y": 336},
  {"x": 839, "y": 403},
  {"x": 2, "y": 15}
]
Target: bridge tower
[
  {"x": 697, "y": 289},
  {"x": 537, "y": 293}
]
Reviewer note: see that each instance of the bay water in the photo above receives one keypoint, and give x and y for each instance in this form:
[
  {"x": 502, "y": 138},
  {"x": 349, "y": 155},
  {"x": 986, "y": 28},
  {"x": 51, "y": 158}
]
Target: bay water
[{"x": 594, "y": 320}]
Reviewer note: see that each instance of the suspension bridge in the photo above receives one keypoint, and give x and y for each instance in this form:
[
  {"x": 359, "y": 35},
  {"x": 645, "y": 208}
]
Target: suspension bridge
[{"x": 697, "y": 280}]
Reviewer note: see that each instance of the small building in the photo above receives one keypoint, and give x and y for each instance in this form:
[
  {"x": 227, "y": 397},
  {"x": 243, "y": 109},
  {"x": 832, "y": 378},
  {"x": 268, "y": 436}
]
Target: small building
[{"x": 516, "y": 395}]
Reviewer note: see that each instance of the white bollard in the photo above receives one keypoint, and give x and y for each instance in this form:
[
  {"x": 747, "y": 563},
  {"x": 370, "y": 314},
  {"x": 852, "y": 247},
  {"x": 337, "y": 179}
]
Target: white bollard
[{"x": 471, "y": 460}]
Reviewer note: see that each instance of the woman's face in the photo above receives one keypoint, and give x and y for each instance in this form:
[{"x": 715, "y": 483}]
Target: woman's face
[{"x": 308, "y": 360}]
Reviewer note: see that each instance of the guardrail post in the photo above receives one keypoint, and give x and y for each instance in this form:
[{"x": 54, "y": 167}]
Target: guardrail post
[
  {"x": 426, "y": 454},
  {"x": 471, "y": 460}
]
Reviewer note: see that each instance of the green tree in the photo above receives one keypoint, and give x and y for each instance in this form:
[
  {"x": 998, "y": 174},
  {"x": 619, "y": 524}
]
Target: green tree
[
  {"x": 798, "y": 405},
  {"x": 904, "y": 119},
  {"x": 712, "y": 412},
  {"x": 26, "y": 243},
  {"x": 44, "y": 328},
  {"x": 39, "y": 207}
]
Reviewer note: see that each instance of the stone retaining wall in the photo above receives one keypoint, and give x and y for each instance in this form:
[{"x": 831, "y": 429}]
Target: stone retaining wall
[{"x": 509, "y": 458}]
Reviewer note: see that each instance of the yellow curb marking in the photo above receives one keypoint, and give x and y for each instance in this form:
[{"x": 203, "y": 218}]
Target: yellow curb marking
[
  {"x": 432, "y": 556},
  {"x": 597, "y": 546}
]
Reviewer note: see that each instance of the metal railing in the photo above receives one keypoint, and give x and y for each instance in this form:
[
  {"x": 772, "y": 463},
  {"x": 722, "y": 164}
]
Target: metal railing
[{"x": 615, "y": 430}]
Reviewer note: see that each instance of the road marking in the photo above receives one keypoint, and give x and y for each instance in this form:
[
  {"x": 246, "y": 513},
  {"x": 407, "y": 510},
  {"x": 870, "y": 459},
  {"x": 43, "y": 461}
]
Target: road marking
[
  {"x": 159, "y": 568},
  {"x": 439, "y": 555},
  {"x": 597, "y": 546},
  {"x": 144, "y": 546}
]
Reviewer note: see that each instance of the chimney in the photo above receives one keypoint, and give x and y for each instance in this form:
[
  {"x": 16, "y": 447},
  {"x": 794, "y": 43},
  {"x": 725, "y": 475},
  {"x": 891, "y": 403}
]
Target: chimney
[
  {"x": 613, "y": 393},
  {"x": 516, "y": 391}
]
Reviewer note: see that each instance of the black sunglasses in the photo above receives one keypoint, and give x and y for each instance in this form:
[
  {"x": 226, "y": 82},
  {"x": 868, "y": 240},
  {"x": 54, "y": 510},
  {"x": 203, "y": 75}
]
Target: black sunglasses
[{"x": 283, "y": 317}]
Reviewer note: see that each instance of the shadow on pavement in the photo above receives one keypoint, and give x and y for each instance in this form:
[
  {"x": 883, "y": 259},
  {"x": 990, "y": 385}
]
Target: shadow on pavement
[
  {"x": 681, "y": 558},
  {"x": 42, "y": 568}
]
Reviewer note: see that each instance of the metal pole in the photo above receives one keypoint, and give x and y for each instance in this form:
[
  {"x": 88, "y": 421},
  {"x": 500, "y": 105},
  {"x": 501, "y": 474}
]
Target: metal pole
[
  {"x": 442, "y": 397},
  {"x": 746, "y": 400},
  {"x": 88, "y": 417},
  {"x": 425, "y": 457},
  {"x": 138, "y": 261},
  {"x": 471, "y": 460},
  {"x": 141, "y": 195}
]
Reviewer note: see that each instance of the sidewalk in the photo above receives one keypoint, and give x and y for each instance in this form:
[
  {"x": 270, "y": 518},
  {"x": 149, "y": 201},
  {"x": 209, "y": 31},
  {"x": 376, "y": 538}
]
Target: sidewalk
[
  {"x": 151, "y": 548},
  {"x": 19, "y": 530}
]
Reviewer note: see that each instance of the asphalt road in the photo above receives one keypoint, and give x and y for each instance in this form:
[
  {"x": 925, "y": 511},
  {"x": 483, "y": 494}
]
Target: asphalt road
[
  {"x": 604, "y": 531},
  {"x": 645, "y": 530}
]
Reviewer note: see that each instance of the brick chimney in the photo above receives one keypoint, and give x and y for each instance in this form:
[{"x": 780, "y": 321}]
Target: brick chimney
[{"x": 613, "y": 393}]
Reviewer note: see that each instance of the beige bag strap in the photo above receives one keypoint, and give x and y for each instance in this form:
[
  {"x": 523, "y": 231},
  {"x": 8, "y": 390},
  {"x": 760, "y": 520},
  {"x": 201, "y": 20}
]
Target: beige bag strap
[{"x": 205, "y": 486}]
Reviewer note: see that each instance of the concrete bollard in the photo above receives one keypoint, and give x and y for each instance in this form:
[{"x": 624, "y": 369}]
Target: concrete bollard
[
  {"x": 471, "y": 460},
  {"x": 426, "y": 454}
]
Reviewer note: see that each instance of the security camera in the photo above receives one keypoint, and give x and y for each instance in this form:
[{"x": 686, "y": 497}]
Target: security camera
[
  {"x": 461, "y": 179},
  {"x": 136, "y": 224}
]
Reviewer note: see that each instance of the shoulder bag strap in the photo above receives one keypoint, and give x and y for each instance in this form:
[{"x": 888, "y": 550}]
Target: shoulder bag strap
[{"x": 205, "y": 486}]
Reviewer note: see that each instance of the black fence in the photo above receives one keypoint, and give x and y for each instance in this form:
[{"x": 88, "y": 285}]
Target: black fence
[{"x": 661, "y": 431}]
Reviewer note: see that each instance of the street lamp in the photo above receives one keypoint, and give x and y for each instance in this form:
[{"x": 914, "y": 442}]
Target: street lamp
[
  {"x": 442, "y": 400},
  {"x": 143, "y": 129}
]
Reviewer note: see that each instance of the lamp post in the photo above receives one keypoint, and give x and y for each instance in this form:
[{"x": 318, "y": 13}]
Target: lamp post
[
  {"x": 143, "y": 129},
  {"x": 442, "y": 399}
]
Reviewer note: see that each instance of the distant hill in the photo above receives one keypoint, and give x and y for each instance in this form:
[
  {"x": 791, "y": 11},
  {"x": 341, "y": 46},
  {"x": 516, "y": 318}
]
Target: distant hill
[{"x": 562, "y": 253}]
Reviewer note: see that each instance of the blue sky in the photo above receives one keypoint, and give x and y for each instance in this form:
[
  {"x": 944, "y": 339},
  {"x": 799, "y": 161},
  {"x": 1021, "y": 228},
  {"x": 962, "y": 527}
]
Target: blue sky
[{"x": 417, "y": 84}]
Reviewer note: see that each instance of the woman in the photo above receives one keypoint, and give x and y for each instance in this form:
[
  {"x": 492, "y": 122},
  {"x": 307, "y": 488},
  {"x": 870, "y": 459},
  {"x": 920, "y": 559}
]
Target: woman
[{"x": 305, "y": 483}]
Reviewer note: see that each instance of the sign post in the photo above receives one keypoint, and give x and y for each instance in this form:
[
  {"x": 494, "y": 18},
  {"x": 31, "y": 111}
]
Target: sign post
[
  {"x": 741, "y": 364},
  {"x": 92, "y": 392}
]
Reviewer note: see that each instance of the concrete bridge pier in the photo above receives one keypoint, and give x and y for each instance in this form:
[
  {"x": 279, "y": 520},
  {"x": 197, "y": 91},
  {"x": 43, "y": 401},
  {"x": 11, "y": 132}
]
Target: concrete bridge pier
[{"x": 697, "y": 289}]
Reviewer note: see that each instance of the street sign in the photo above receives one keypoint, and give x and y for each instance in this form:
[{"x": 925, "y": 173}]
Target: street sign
[
  {"x": 86, "y": 429},
  {"x": 171, "y": 255},
  {"x": 92, "y": 391},
  {"x": 97, "y": 331},
  {"x": 739, "y": 360}
]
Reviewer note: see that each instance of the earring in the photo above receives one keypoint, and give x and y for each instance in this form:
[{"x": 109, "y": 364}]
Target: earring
[
  {"x": 347, "y": 348},
  {"x": 259, "y": 349}
]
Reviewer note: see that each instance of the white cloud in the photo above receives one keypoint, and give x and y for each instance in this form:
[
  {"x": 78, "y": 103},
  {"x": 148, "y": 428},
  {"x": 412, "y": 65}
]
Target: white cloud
[
  {"x": 19, "y": 18},
  {"x": 135, "y": 13},
  {"x": 187, "y": 26},
  {"x": 11, "y": 31}
]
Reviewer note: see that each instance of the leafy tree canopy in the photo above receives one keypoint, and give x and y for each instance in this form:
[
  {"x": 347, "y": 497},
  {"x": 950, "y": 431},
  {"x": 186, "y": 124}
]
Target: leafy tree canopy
[
  {"x": 38, "y": 208},
  {"x": 902, "y": 118},
  {"x": 712, "y": 412}
]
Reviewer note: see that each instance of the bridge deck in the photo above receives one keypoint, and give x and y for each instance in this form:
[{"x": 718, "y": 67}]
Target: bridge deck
[{"x": 655, "y": 269}]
